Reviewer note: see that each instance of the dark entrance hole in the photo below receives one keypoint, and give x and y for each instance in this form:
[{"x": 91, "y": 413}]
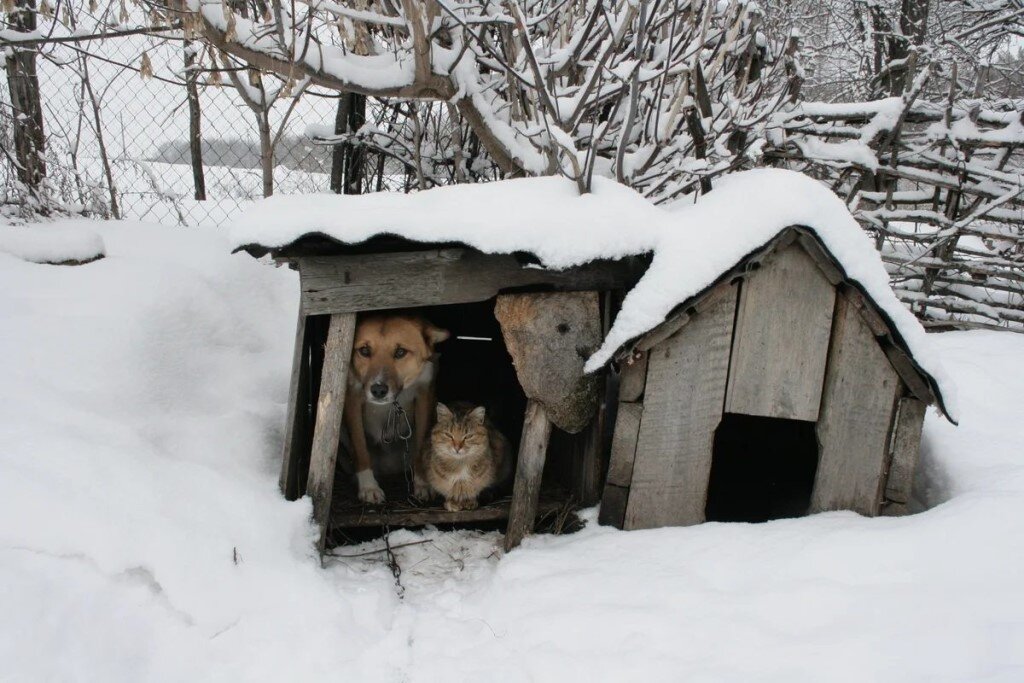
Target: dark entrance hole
[{"x": 762, "y": 468}]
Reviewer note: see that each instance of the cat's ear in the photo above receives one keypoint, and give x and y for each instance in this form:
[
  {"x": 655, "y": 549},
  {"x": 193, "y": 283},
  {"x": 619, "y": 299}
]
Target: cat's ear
[
  {"x": 443, "y": 412},
  {"x": 478, "y": 414},
  {"x": 434, "y": 335}
]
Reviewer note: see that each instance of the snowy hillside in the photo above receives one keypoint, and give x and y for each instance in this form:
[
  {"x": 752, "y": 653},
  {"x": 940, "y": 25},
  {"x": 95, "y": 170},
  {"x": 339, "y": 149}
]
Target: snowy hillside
[{"x": 143, "y": 537}]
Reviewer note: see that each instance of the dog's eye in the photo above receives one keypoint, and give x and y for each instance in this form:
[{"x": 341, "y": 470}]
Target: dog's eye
[
  {"x": 400, "y": 352},
  {"x": 364, "y": 351}
]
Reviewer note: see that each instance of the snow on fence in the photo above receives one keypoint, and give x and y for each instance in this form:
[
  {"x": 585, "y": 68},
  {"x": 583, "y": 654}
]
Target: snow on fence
[{"x": 938, "y": 186}]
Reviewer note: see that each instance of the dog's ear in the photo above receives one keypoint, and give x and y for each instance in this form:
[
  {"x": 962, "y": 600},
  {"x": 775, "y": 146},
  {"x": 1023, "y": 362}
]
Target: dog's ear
[
  {"x": 443, "y": 412},
  {"x": 478, "y": 414},
  {"x": 434, "y": 335}
]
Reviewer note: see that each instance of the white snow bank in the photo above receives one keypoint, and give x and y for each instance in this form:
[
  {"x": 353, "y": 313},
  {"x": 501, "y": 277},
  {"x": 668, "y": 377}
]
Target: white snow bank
[
  {"x": 140, "y": 432},
  {"x": 692, "y": 243},
  {"x": 62, "y": 242}
]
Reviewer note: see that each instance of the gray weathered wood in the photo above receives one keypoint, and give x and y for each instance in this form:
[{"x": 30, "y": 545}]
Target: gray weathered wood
[
  {"x": 332, "y": 284},
  {"x": 686, "y": 380},
  {"x": 530, "y": 467},
  {"x": 330, "y": 405},
  {"x": 633, "y": 376},
  {"x": 820, "y": 257},
  {"x": 549, "y": 336},
  {"x": 781, "y": 340},
  {"x": 296, "y": 428},
  {"x": 905, "y": 368},
  {"x": 620, "y": 464},
  {"x": 906, "y": 444},
  {"x": 857, "y": 408}
]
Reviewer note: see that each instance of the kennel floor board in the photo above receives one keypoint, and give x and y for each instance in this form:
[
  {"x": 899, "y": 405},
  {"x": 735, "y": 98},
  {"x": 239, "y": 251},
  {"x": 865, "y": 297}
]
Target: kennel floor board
[{"x": 402, "y": 511}]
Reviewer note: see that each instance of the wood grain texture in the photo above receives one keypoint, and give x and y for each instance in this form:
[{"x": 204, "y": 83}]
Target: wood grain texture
[
  {"x": 549, "y": 336},
  {"x": 857, "y": 410},
  {"x": 620, "y": 464},
  {"x": 686, "y": 380},
  {"x": 333, "y": 284},
  {"x": 906, "y": 445},
  {"x": 296, "y": 427},
  {"x": 330, "y": 405},
  {"x": 530, "y": 467},
  {"x": 781, "y": 341}
]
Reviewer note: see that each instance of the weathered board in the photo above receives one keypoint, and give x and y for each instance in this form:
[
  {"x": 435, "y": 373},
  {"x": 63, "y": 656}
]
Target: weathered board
[
  {"x": 686, "y": 378},
  {"x": 296, "y": 428},
  {"x": 331, "y": 284},
  {"x": 781, "y": 341},
  {"x": 906, "y": 444},
  {"x": 529, "y": 468},
  {"x": 330, "y": 405},
  {"x": 620, "y": 464},
  {"x": 549, "y": 336},
  {"x": 857, "y": 408},
  {"x": 633, "y": 376}
]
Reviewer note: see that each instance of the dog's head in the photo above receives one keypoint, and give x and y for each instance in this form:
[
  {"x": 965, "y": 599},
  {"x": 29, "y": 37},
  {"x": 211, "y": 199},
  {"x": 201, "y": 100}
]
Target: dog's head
[{"x": 390, "y": 353}]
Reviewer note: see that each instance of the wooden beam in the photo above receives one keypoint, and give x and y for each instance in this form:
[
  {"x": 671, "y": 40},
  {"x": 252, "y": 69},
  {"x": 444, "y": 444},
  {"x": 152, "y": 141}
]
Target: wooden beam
[
  {"x": 781, "y": 341},
  {"x": 327, "y": 432},
  {"x": 331, "y": 284},
  {"x": 686, "y": 378},
  {"x": 906, "y": 445},
  {"x": 296, "y": 428},
  {"x": 530, "y": 467},
  {"x": 620, "y": 465},
  {"x": 857, "y": 408}
]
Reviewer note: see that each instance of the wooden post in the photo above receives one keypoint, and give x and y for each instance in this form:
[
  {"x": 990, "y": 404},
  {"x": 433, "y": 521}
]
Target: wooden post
[
  {"x": 526, "y": 490},
  {"x": 906, "y": 444},
  {"x": 620, "y": 464},
  {"x": 296, "y": 428},
  {"x": 327, "y": 431}
]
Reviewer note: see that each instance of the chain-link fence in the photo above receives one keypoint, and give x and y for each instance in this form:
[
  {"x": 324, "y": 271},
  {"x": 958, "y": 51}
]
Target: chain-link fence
[{"x": 117, "y": 116}]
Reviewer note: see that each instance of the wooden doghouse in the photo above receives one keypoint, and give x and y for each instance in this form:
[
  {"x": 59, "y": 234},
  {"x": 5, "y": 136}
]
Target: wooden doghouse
[
  {"x": 780, "y": 389},
  {"x": 540, "y": 326}
]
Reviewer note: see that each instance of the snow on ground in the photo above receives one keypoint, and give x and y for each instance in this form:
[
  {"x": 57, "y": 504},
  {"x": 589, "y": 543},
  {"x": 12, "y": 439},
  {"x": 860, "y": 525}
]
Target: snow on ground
[
  {"x": 140, "y": 425},
  {"x": 67, "y": 242}
]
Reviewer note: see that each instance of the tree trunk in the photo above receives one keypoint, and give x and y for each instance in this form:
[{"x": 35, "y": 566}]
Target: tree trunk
[
  {"x": 347, "y": 159},
  {"x": 195, "y": 138},
  {"x": 266, "y": 153},
  {"x": 23, "y": 84}
]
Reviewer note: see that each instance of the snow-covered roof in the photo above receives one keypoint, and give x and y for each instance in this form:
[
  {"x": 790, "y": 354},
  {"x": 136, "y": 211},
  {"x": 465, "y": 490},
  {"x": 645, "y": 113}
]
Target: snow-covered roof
[{"x": 692, "y": 243}]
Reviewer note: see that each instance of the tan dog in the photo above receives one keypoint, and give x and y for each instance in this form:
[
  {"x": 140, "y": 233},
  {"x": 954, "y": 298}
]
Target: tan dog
[{"x": 392, "y": 361}]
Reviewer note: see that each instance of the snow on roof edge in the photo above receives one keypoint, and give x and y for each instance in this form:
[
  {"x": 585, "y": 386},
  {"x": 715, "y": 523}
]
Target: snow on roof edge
[{"x": 692, "y": 243}]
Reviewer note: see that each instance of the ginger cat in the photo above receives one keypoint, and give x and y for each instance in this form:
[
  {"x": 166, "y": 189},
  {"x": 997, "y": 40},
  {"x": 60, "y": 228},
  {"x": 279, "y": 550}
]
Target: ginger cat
[{"x": 466, "y": 455}]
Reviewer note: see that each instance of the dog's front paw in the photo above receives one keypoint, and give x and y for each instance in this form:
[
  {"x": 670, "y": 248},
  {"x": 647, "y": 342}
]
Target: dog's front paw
[{"x": 369, "y": 490}]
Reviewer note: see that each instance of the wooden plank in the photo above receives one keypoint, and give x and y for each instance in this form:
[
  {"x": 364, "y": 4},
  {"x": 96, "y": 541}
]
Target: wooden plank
[
  {"x": 525, "y": 491},
  {"x": 820, "y": 257},
  {"x": 908, "y": 372},
  {"x": 620, "y": 464},
  {"x": 375, "y": 516},
  {"x": 686, "y": 380},
  {"x": 331, "y": 284},
  {"x": 856, "y": 416},
  {"x": 588, "y": 447},
  {"x": 296, "y": 428},
  {"x": 781, "y": 341},
  {"x": 906, "y": 444},
  {"x": 633, "y": 376},
  {"x": 330, "y": 405}
]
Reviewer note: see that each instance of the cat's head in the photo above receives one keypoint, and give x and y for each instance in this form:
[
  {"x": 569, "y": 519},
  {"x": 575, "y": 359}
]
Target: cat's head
[{"x": 460, "y": 432}]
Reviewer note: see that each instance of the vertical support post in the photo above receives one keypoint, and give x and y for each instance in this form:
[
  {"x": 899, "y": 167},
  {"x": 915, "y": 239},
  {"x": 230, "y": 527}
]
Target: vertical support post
[
  {"x": 326, "y": 433},
  {"x": 296, "y": 435},
  {"x": 526, "y": 490}
]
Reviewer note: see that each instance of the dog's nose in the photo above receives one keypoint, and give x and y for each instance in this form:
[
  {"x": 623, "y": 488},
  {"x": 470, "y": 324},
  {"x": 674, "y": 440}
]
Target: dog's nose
[{"x": 378, "y": 390}]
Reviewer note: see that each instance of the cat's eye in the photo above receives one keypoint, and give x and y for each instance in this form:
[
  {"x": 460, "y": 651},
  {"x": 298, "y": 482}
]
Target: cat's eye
[
  {"x": 364, "y": 351},
  {"x": 400, "y": 352}
]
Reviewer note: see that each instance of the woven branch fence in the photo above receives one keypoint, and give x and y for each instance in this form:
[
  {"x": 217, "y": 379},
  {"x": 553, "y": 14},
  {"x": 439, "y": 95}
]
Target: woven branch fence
[{"x": 940, "y": 188}]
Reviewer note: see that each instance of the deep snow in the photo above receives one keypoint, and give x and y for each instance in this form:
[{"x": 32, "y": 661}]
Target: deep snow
[
  {"x": 140, "y": 425},
  {"x": 692, "y": 243}
]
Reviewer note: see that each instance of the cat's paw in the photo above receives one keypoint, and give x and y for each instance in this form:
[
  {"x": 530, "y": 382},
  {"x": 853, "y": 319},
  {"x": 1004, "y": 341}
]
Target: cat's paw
[
  {"x": 459, "y": 504},
  {"x": 369, "y": 490}
]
